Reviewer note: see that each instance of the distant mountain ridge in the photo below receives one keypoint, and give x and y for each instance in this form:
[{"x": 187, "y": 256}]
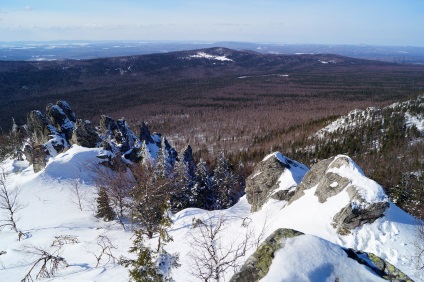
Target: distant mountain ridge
[
  {"x": 74, "y": 80},
  {"x": 59, "y": 50}
]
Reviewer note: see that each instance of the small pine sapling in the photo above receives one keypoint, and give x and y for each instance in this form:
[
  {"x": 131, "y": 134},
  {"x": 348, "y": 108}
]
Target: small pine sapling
[{"x": 104, "y": 210}]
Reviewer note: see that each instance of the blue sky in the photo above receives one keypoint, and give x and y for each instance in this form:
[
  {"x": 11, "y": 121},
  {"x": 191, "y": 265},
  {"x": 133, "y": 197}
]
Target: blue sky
[{"x": 377, "y": 22}]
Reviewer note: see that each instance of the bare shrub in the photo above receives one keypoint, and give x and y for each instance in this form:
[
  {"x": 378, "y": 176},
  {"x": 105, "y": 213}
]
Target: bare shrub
[
  {"x": 77, "y": 195},
  {"x": 10, "y": 205},
  {"x": 64, "y": 239},
  {"x": 46, "y": 264},
  {"x": 106, "y": 250},
  {"x": 210, "y": 257}
]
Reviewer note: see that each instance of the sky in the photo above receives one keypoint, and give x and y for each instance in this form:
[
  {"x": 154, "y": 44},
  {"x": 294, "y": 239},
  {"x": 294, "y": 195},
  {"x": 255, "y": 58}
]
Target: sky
[{"x": 375, "y": 22}]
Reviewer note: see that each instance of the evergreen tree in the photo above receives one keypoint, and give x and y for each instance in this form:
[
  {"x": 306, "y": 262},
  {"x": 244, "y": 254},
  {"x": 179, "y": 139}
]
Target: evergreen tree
[
  {"x": 184, "y": 177},
  {"x": 104, "y": 210},
  {"x": 225, "y": 183},
  {"x": 204, "y": 190},
  {"x": 143, "y": 268},
  {"x": 153, "y": 265}
]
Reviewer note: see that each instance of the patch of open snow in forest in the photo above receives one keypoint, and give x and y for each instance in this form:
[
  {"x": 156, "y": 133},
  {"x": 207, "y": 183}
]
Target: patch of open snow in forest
[{"x": 210, "y": 57}]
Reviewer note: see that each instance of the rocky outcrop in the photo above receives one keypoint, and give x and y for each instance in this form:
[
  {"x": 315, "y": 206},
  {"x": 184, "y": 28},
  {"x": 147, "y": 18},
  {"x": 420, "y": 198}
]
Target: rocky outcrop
[
  {"x": 53, "y": 133},
  {"x": 367, "y": 200},
  {"x": 85, "y": 134},
  {"x": 145, "y": 134},
  {"x": 378, "y": 265},
  {"x": 264, "y": 183},
  {"x": 278, "y": 177},
  {"x": 257, "y": 265},
  {"x": 60, "y": 120},
  {"x": 38, "y": 127},
  {"x": 357, "y": 212}
]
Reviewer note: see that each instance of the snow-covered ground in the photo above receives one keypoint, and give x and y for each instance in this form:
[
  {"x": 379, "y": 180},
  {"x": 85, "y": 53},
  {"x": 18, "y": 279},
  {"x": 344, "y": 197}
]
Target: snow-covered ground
[
  {"x": 50, "y": 211},
  {"x": 210, "y": 57}
]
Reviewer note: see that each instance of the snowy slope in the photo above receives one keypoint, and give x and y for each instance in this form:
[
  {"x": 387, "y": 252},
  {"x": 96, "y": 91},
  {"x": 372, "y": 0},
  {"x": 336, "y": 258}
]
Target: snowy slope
[{"x": 50, "y": 212}]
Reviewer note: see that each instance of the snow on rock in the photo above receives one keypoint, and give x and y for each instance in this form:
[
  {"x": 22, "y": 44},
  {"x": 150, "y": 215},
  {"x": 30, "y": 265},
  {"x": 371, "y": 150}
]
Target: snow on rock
[
  {"x": 366, "y": 200},
  {"x": 417, "y": 120},
  {"x": 275, "y": 177},
  {"x": 210, "y": 57},
  {"x": 310, "y": 258}
]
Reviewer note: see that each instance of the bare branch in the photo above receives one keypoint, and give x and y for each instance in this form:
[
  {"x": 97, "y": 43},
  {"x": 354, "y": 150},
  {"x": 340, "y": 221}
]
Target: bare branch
[
  {"x": 46, "y": 263},
  {"x": 210, "y": 257},
  {"x": 10, "y": 205},
  {"x": 107, "y": 248}
]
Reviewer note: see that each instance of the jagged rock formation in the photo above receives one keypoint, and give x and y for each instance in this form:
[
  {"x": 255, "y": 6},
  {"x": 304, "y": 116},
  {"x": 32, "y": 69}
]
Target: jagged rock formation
[
  {"x": 280, "y": 178},
  {"x": 257, "y": 265},
  {"x": 85, "y": 134},
  {"x": 264, "y": 182},
  {"x": 56, "y": 131}
]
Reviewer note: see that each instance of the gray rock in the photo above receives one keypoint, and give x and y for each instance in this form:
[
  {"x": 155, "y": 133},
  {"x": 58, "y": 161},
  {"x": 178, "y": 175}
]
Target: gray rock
[
  {"x": 263, "y": 181},
  {"x": 257, "y": 265},
  {"x": 67, "y": 110},
  {"x": 38, "y": 127},
  {"x": 85, "y": 134},
  {"x": 311, "y": 178},
  {"x": 60, "y": 120},
  {"x": 39, "y": 157},
  {"x": 357, "y": 212},
  {"x": 378, "y": 265},
  {"x": 107, "y": 125},
  {"x": 145, "y": 134},
  {"x": 330, "y": 183}
]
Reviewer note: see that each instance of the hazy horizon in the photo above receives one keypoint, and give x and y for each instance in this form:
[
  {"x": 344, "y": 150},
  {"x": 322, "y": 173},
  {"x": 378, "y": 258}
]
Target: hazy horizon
[{"x": 378, "y": 23}]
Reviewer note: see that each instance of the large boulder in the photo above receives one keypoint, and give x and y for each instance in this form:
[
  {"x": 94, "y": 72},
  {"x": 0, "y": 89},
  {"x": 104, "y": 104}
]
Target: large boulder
[
  {"x": 85, "y": 134},
  {"x": 276, "y": 176},
  {"x": 367, "y": 200},
  {"x": 257, "y": 265},
  {"x": 279, "y": 257}
]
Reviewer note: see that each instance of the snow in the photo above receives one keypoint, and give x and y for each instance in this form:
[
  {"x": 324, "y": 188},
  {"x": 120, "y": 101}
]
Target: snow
[
  {"x": 309, "y": 258},
  {"x": 210, "y": 57},
  {"x": 49, "y": 211},
  {"x": 334, "y": 184},
  {"x": 411, "y": 120},
  {"x": 368, "y": 189},
  {"x": 350, "y": 121},
  {"x": 292, "y": 176}
]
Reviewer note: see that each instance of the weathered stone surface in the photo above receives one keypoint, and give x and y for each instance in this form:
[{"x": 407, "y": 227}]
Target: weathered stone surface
[
  {"x": 357, "y": 212},
  {"x": 39, "y": 158},
  {"x": 379, "y": 266},
  {"x": 66, "y": 108},
  {"x": 331, "y": 183},
  {"x": 85, "y": 134},
  {"x": 257, "y": 265},
  {"x": 107, "y": 124},
  {"x": 60, "y": 121},
  {"x": 37, "y": 127},
  {"x": 145, "y": 134},
  {"x": 263, "y": 181}
]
